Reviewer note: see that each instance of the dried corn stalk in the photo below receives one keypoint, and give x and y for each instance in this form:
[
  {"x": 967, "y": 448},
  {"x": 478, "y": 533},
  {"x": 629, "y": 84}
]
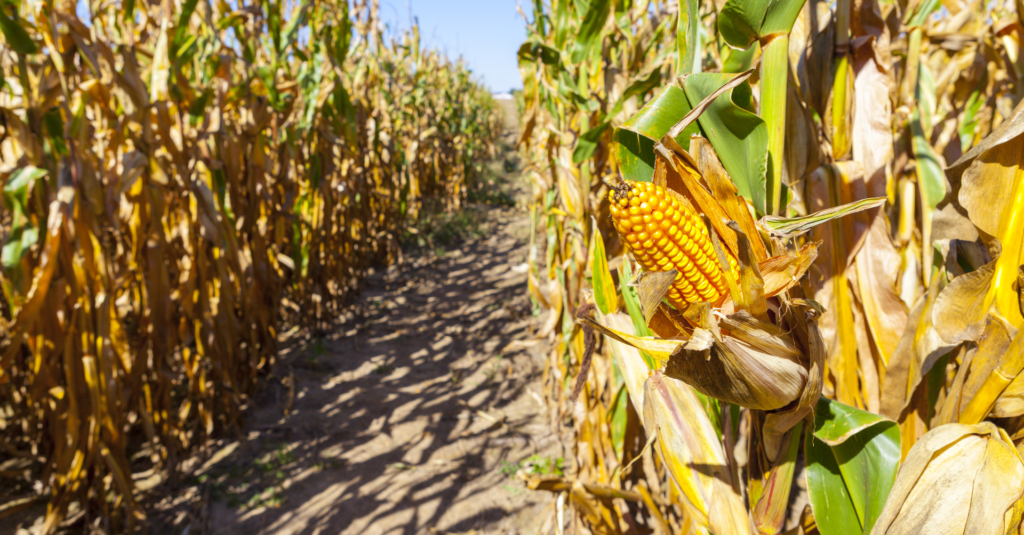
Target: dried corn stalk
[{"x": 172, "y": 173}]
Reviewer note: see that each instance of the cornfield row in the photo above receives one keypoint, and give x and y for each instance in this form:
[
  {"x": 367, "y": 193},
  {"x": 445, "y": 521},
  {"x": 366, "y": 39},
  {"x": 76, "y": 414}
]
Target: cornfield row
[
  {"x": 781, "y": 247},
  {"x": 179, "y": 178}
]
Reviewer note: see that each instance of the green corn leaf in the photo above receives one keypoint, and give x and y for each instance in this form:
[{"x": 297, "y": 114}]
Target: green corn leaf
[
  {"x": 617, "y": 418},
  {"x": 740, "y": 60},
  {"x": 532, "y": 49},
  {"x": 931, "y": 177},
  {"x": 181, "y": 31},
  {"x": 562, "y": 22},
  {"x": 589, "y": 32},
  {"x": 17, "y": 187},
  {"x": 632, "y": 299},
  {"x": 198, "y": 107},
  {"x": 852, "y": 458},
  {"x": 268, "y": 75},
  {"x": 635, "y": 139},
  {"x": 230, "y": 20},
  {"x": 299, "y": 19},
  {"x": 339, "y": 37},
  {"x": 22, "y": 238},
  {"x": 835, "y": 511},
  {"x": 23, "y": 234},
  {"x": 272, "y": 14},
  {"x": 739, "y": 137},
  {"x": 969, "y": 125},
  {"x": 780, "y": 17},
  {"x": 920, "y": 15},
  {"x": 788, "y": 227},
  {"x": 686, "y": 38},
  {"x": 640, "y": 86},
  {"x": 587, "y": 143},
  {"x": 16, "y": 36},
  {"x": 740, "y": 21},
  {"x": 604, "y": 287}
]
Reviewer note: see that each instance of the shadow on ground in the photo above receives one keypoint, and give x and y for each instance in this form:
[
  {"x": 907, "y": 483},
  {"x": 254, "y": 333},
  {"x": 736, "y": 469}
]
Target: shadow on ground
[{"x": 408, "y": 419}]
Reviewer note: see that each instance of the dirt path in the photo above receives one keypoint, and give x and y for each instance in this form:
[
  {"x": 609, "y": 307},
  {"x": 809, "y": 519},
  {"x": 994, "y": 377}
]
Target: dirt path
[{"x": 405, "y": 420}]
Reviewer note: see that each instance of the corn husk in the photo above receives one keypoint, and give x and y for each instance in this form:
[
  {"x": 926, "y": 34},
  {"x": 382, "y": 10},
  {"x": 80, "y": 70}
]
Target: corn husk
[{"x": 758, "y": 376}]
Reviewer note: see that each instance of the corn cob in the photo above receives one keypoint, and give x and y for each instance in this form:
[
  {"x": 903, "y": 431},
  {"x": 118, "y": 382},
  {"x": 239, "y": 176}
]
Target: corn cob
[{"x": 663, "y": 234}]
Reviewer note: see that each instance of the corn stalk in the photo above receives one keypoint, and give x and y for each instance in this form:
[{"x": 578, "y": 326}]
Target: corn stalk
[{"x": 173, "y": 173}]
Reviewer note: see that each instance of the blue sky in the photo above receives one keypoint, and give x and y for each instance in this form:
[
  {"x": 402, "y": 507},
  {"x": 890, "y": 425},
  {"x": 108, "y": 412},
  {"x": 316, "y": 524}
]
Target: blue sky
[{"x": 487, "y": 33}]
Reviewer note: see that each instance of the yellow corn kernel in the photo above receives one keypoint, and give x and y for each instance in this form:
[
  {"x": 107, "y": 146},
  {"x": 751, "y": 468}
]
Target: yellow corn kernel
[{"x": 664, "y": 234}]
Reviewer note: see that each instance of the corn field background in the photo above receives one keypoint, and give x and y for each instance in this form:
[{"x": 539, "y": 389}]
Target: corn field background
[
  {"x": 182, "y": 180},
  {"x": 776, "y": 248}
]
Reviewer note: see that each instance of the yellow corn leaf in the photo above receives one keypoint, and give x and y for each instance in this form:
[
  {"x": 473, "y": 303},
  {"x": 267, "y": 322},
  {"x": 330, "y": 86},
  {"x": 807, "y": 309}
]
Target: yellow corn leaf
[
  {"x": 751, "y": 284},
  {"x": 693, "y": 454},
  {"x": 918, "y": 349},
  {"x": 1011, "y": 402},
  {"x": 630, "y": 362},
  {"x": 977, "y": 365},
  {"x": 657, "y": 348},
  {"x": 725, "y": 192},
  {"x": 771, "y": 508},
  {"x": 782, "y": 272}
]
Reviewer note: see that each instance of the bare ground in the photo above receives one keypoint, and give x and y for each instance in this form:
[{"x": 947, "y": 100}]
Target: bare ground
[{"x": 406, "y": 420}]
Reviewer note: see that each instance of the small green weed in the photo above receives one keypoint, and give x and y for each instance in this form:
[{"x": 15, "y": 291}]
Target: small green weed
[
  {"x": 262, "y": 481},
  {"x": 543, "y": 466},
  {"x": 492, "y": 372},
  {"x": 509, "y": 469}
]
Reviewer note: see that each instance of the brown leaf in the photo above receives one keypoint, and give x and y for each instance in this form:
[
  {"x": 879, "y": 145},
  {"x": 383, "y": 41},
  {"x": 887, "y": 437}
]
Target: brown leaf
[{"x": 878, "y": 264}]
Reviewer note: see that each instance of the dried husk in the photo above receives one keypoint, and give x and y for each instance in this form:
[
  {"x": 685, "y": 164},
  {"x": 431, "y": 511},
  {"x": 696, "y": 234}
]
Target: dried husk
[{"x": 757, "y": 376}]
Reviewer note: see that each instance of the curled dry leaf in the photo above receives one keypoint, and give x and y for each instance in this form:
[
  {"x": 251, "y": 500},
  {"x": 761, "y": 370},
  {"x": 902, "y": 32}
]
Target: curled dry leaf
[
  {"x": 957, "y": 479},
  {"x": 977, "y": 365}
]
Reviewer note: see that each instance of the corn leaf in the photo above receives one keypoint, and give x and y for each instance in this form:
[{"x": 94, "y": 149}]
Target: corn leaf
[
  {"x": 604, "y": 287},
  {"x": 686, "y": 38},
  {"x": 740, "y": 21},
  {"x": 590, "y": 30},
  {"x": 789, "y": 227},
  {"x": 740, "y": 138},
  {"x": 16, "y": 36},
  {"x": 636, "y": 138},
  {"x": 852, "y": 458}
]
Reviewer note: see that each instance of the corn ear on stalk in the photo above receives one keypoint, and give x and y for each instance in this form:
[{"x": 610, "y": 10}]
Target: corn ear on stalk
[{"x": 663, "y": 234}]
